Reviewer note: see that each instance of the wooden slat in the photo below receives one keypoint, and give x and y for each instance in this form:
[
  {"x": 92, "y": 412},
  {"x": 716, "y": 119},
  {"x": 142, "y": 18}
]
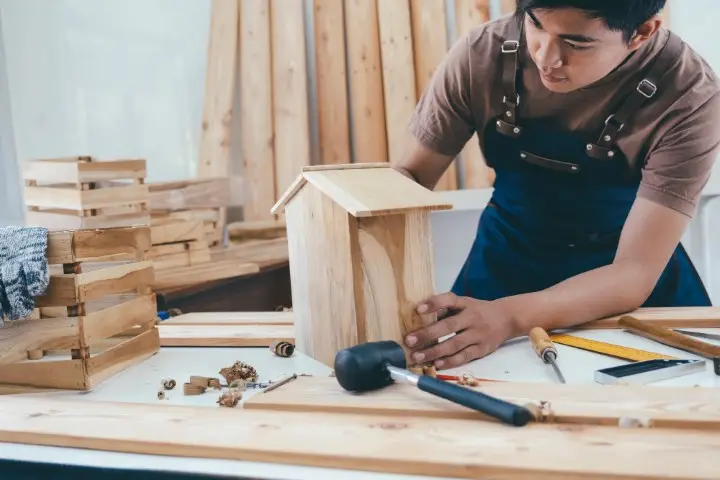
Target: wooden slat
[
  {"x": 290, "y": 101},
  {"x": 123, "y": 355},
  {"x": 82, "y": 245},
  {"x": 118, "y": 318},
  {"x": 203, "y": 193},
  {"x": 121, "y": 278},
  {"x": 257, "y": 104},
  {"x": 333, "y": 122},
  {"x": 367, "y": 104},
  {"x": 374, "y": 191},
  {"x": 430, "y": 47},
  {"x": 232, "y": 318},
  {"x": 398, "y": 71},
  {"x": 204, "y": 272},
  {"x": 668, "y": 317},
  {"x": 661, "y": 407},
  {"x": 220, "y": 84},
  {"x": 102, "y": 171},
  {"x": 50, "y": 172},
  {"x": 224, "y": 335},
  {"x": 70, "y": 220},
  {"x": 450, "y": 447},
  {"x": 64, "y": 374},
  {"x": 262, "y": 229},
  {"x": 470, "y": 14},
  {"x": 177, "y": 231},
  {"x": 50, "y": 197},
  {"x": 16, "y": 338}
]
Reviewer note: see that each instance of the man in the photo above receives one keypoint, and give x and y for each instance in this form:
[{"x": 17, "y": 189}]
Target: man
[{"x": 602, "y": 128}]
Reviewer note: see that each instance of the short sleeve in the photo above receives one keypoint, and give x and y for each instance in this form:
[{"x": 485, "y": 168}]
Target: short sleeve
[
  {"x": 678, "y": 169},
  {"x": 443, "y": 120}
]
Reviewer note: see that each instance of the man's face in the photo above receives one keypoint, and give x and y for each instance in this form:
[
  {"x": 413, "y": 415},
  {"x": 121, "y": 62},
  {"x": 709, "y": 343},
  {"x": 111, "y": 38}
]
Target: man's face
[{"x": 572, "y": 50}]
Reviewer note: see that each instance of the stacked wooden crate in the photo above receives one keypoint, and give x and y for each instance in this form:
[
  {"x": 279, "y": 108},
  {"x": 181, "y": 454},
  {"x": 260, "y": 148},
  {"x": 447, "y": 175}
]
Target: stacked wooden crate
[
  {"x": 84, "y": 192},
  {"x": 77, "y": 336}
]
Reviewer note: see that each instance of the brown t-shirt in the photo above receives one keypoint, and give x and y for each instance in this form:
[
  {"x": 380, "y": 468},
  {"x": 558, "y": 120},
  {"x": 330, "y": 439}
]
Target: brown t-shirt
[{"x": 673, "y": 139}]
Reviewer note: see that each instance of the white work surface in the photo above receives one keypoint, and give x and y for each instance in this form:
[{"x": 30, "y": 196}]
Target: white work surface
[{"x": 515, "y": 361}]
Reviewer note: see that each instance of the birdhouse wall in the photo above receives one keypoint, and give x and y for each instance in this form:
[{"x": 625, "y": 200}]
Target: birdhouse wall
[
  {"x": 321, "y": 240},
  {"x": 397, "y": 270}
]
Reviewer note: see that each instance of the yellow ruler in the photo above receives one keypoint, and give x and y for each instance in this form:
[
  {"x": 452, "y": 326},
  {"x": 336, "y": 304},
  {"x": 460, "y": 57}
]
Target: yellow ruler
[{"x": 618, "y": 351}]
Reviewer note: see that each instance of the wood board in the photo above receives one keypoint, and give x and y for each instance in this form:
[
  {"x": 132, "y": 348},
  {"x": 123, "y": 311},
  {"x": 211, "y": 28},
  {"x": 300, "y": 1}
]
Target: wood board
[
  {"x": 451, "y": 447},
  {"x": 668, "y": 317},
  {"x": 231, "y": 318},
  {"x": 697, "y": 408},
  {"x": 224, "y": 335}
]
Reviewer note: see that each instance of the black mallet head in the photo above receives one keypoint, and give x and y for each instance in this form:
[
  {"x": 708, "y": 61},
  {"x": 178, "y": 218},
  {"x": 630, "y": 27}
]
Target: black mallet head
[{"x": 361, "y": 368}]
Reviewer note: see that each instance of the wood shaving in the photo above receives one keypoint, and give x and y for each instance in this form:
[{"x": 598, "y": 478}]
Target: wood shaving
[
  {"x": 238, "y": 384},
  {"x": 429, "y": 370},
  {"x": 168, "y": 383},
  {"x": 190, "y": 389},
  {"x": 239, "y": 370},
  {"x": 282, "y": 348},
  {"x": 230, "y": 398},
  {"x": 468, "y": 379}
]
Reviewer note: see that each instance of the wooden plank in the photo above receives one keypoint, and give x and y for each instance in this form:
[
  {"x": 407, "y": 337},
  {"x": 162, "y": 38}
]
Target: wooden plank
[
  {"x": 17, "y": 338},
  {"x": 220, "y": 84},
  {"x": 111, "y": 321},
  {"x": 451, "y": 447},
  {"x": 398, "y": 72},
  {"x": 375, "y": 191},
  {"x": 83, "y": 245},
  {"x": 113, "y": 196},
  {"x": 54, "y": 219},
  {"x": 393, "y": 285},
  {"x": 177, "y": 231},
  {"x": 50, "y": 197},
  {"x": 694, "y": 408},
  {"x": 367, "y": 104},
  {"x": 103, "y": 171},
  {"x": 200, "y": 193},
  {"x": 119, "y": 357},
  {"x": 121, "y": 278},
  {"x": 224, "y": 335},
  {"x": 333, "y": 121},
  {"x": 50, "y": 172},
  {"x": 468, "y": 15},
  {"x": 204, "y": 272},
  {"x": 257, "y": 103},
  {"x": 668, "y": 317},
  {"x": 232, "y": 318},
  {"x": 325, "y": 312},
  {"x": 43, "y": 373},
  {"x": 62, "y": 291},
  {"x": 261, "y": 229},
  {"x": 429, "y": 36},
  {"x": 290, "y": 102},
  {"x": 263, "y": 253}
]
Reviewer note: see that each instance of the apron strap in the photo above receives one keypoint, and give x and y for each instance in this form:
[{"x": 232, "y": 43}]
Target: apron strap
[
  {"x": 646, "y": 89},
  {"x": 507, "y": 123}
]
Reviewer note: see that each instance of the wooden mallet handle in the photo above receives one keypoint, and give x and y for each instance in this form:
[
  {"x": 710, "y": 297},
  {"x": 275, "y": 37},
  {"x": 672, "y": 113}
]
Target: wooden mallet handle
[{"x": 669, "y": 337}]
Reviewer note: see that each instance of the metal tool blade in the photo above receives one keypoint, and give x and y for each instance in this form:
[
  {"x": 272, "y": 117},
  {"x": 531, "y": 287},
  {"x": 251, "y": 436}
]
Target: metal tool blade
[
  {"x": 712, "y": 336},
  {"x": 557, "y": 370}
]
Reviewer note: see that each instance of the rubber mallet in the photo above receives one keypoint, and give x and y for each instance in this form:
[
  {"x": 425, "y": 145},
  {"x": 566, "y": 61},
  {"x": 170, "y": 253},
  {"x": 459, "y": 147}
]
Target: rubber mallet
[{"x": 372, "y": 366}]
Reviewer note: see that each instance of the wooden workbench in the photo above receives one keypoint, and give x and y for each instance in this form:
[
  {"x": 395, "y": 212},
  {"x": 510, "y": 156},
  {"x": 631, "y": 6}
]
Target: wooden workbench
[{"x": 139, "y": 384}]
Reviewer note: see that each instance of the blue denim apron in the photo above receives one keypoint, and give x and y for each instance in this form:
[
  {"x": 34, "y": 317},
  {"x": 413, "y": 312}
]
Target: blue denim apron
[{"x": 560, "y": 202}]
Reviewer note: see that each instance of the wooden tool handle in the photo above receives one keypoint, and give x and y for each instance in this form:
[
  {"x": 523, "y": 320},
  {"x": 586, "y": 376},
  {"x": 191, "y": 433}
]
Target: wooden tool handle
[
  {"x": 669, "y": 337},
  {"x": 541, "y": 342}
]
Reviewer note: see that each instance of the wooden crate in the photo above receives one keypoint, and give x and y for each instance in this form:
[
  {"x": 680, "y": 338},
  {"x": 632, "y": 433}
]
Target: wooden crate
[
  {"x": 76, "y": 338},
  {"x": 82, "y": 192}
]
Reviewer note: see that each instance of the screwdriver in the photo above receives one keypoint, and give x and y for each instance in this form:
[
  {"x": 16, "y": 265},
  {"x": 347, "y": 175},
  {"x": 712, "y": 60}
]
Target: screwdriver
[{"x": 545, "y": 349}]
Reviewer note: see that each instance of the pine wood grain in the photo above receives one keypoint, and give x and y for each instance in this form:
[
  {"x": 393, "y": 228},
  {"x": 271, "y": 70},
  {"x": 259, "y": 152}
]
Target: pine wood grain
[
  {"x": 662, "y": 407},
  {"x": 451, "y": 447},
  {"x": 175, "y": 335},
  {"x": 668, "y": 317},
  {"x": 430, "y": 47},
  {"x": 333, "y": 120},
  {"x": 232, "y": 318},
  {"x": 290, "y": 100},
  {"x": 398, "y": 71},
  {"x": 367, "y": 104},
  {"x": 256, "y": 91}
]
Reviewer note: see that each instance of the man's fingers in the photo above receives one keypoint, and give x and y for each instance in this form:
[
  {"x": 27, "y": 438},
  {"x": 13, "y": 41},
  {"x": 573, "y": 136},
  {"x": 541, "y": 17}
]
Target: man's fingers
[
  {"x": 437, "y": 330},
  {"x": 443, "y": 302},
  {"x": 464, "y": 356},
  {"x": 447, "y": 348}
]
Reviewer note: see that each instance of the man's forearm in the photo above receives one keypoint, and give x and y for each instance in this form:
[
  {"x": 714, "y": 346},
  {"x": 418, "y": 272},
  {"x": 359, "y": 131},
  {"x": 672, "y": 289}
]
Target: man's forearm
[{"x": 599, "y": 293}]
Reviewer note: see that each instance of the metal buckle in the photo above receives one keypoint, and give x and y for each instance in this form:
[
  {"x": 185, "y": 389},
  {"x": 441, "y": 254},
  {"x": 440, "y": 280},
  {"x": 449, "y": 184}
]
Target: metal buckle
[
  {"x": 607, "y": 120},
  {"x": 517, "y": 100},
  {"x": 651, "y": 86},
  {"x": 510, "y": 46}
]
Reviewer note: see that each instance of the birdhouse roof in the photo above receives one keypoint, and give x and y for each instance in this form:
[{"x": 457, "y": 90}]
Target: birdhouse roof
[{"x": 365, "y": 189}]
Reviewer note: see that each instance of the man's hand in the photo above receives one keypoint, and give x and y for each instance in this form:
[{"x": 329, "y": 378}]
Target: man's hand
[{"x": 480, "y": 327}]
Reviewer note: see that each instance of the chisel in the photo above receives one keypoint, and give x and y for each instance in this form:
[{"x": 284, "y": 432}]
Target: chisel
[{"x": 545, "y": 349}]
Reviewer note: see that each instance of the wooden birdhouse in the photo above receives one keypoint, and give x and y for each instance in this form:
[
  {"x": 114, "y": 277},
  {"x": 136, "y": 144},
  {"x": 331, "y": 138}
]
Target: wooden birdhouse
[{"x": 360, "y": 253}]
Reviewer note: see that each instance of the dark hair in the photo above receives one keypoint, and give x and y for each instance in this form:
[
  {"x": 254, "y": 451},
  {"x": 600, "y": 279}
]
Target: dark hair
[{"x": 619, "y": 15}]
